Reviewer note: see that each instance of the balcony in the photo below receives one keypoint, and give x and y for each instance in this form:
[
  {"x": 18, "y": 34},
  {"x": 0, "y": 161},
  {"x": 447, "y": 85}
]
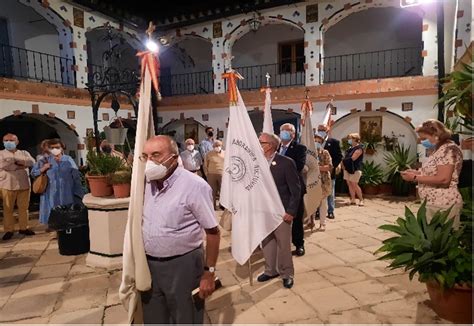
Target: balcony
[
  {"x": 400, "y": 62},
  {"x": 32, "y": 65}
]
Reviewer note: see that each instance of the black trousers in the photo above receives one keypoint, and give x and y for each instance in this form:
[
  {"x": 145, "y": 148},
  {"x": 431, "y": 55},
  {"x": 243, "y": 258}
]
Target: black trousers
[
  {"x": 170, "y": 301},
  {"x": 297, "y": 229}
]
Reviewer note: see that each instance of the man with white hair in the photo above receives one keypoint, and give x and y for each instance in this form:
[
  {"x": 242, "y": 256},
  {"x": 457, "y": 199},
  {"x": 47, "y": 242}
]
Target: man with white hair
[
  {"x": 192, "y": 160},
  {"x": 177, "y": 209},
  {"x": 291, "y": 148},
  {"x": 277, "y": 245},
  {"x": 15, "y": 185}
]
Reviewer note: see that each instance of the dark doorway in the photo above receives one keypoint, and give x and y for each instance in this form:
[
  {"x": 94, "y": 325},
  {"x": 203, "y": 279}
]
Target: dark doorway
[{"x": 279, "y": 117}]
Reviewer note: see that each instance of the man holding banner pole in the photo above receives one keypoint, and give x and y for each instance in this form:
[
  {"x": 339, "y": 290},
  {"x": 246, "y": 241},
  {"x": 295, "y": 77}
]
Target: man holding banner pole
[
  {"x": 277, "y": 246},
  {"x": 290, "y": 148}
]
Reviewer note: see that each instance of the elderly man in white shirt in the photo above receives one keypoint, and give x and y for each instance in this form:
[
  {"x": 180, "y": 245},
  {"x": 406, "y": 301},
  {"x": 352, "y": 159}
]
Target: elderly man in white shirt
[{"x": 191, "y": 158}]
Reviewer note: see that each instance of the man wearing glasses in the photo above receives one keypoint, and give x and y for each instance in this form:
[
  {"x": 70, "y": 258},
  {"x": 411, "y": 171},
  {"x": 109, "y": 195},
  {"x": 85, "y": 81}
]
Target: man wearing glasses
[{"x": 177, "y": 208}]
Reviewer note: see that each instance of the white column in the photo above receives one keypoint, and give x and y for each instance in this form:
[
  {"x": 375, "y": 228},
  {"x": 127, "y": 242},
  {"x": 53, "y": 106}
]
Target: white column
[
  {"x": 219, "y": 56},
  {"x": 312, "y": 51}
]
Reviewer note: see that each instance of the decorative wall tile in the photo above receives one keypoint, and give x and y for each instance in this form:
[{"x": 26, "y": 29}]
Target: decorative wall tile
[
  {"x": 35, "y": 108},
  {"x": 78, "y": 17},
  {"x": 205, "y": 117},
  {"x": 217, "y": 29},
  {"x": 105, "y": 117},
  {"x": 312, "y": 13},
  {"x": 407, "y": 106},
  {"x": 71, "y": 114}
]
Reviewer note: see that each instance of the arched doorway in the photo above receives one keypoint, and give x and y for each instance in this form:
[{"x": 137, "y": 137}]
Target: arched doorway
[
  {"x": 32, "y": 129},
  {"x": 388, "y": 124},
  {"x": 366, "y": 52},
  {"x": 186, "y": 67},
  {"x": 279, "y": 117},
  {"x": 183, "y": 129}
]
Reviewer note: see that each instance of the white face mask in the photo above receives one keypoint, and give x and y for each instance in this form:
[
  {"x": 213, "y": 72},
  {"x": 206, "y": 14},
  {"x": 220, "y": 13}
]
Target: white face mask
[
  {"x": 217, "y": 149},
  {"x": 56, "y": 151},
  {"x": 154, "y": 171},
  {"x": 190, "y": 148}
]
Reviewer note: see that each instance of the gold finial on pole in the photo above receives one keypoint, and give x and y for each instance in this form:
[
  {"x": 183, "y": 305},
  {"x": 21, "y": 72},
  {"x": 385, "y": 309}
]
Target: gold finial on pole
[{"x": 267, "y": 76}]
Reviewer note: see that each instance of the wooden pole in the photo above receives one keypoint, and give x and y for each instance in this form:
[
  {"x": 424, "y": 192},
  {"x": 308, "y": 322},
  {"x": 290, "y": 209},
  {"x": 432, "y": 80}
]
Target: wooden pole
[{"x": 250, "y": 271}]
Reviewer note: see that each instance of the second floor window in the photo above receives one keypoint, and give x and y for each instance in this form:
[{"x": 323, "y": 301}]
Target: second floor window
[{"x": 291, "y": 57}]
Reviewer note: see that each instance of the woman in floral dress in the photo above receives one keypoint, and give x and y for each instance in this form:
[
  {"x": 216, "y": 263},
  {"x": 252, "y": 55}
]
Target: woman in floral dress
[{"x": 439, "y": 175}]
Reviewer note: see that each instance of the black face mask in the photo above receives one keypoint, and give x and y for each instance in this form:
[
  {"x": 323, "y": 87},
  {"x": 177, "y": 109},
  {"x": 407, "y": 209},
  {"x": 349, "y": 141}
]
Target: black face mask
[
  {"x": 107, "y": 149},
  {"x": 210, "y": 134}
]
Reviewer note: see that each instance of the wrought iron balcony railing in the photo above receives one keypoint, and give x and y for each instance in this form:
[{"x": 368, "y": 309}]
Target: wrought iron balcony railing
[
  {"x": 28, "y": 64},
  {"x": 372, "y": 65},
  {"x": 187, "y": 84},
  {"x": 282, "y": 74}
]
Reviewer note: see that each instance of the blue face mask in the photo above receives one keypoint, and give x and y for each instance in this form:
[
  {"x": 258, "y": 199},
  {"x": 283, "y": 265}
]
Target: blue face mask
[
  {"x": 322, "y": 134},
  {"x": 349, "y": 141},
  {"x": 9, "y": 145},
  {"x": 285, "y": 135},
  {"x": 427, "y": 144},
  {"x": 319, "y": 146}
]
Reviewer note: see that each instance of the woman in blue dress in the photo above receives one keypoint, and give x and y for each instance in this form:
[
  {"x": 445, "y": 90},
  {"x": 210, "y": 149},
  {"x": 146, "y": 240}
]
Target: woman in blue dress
[{"x": 64, "y": 179}]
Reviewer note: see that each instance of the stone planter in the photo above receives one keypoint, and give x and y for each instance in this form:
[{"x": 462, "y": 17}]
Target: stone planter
[
  {"x": 370, "y": 189},
  {"x": 107, "y": 222}
]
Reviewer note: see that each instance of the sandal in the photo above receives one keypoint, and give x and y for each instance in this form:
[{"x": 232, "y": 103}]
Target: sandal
[
  {"x": 310, "y": 225},
  {"x": 321, "y": 228},
  {"x": 361, "y": 203}
]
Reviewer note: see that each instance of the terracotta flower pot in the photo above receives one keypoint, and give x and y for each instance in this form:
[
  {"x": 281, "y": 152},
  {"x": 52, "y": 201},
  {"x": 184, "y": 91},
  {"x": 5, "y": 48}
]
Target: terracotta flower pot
[
  {"x": 385, "y": 188},
  {"x": 121, "y": 190},
  {"x": 452, "y": 304},
  {"x": 370, "y": 189},
  {"x": 99, "y": 186},
  {"x": 370, "y": 151}
]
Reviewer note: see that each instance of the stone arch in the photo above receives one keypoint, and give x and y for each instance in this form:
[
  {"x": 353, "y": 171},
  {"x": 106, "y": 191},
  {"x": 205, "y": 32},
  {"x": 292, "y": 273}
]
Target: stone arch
[
  {"x": 63, "y": 26},
  {"x": 42, "y": 126},
  {"x": 401, "y": 127},
  {"x": 244, "y": 28},
  {"x": 345, "y": 11},
  {"x": 132, "y": 40},
  {"x": 174, "y": 39}
]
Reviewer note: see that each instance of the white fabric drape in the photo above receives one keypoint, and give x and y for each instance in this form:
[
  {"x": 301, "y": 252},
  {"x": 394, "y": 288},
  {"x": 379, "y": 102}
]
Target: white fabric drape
[
  {"x": 136, "y": 274},
  {"x": 313, "y": 196},
  {"x": 248, "y": 189},
  {"x": 267, "y": 113}
]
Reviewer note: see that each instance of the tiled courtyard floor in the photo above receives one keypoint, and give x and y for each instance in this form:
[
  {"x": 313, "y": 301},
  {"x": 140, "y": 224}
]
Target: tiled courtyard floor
[{"x": 339, "y": 280}]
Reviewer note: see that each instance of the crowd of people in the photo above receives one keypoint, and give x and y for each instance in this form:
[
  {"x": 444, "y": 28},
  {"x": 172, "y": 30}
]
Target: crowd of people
[{"x": 182, "y": 194}]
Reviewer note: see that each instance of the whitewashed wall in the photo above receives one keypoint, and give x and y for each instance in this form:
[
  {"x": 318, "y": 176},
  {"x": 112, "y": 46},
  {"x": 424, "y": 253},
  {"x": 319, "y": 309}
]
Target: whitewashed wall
[{"x": 81, "y": 121}]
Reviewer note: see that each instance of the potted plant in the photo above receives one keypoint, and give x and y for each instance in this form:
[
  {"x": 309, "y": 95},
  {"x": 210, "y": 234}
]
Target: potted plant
[
  {"x": 398, "y": 160},
  {"x": 434, "y": 251},
  {"x": 371, "y": 141},
  {"x": 372, "y": 177},
  {"x": 120, "y": 181},
  {"x": 116, "y": 133},
  {"x": 100, "y": 167}
]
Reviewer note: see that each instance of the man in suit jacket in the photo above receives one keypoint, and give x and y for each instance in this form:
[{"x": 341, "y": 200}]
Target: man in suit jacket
[
  {"x": 334, "y": 148},
  {"x": 277, "y": 246},
  {"x": 290, "y": 148}
]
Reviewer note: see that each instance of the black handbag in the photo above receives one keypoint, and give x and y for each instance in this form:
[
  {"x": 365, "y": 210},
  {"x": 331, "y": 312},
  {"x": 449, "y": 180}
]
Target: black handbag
[{"x": 64, "y": 217}]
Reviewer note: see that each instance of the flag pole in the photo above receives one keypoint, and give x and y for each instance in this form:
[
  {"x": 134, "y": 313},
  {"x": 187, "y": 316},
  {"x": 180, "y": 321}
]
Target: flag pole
[{"x": 250, "y": 271}]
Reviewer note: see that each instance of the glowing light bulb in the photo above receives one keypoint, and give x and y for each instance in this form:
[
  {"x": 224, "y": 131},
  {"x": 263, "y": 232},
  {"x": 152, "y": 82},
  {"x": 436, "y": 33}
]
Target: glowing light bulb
[{"x": 152, "y": 46}]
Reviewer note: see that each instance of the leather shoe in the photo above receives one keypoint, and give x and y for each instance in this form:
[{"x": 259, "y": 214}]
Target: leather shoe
[
  {"x": 27, "y": 232},
  {"x": 331, "y": 216},
  {"x": 288, "y": 282},
  {"x": 265, "y": 277},
  {"x": 7, "y": 236},
  {"x": 300, "y": 251}
]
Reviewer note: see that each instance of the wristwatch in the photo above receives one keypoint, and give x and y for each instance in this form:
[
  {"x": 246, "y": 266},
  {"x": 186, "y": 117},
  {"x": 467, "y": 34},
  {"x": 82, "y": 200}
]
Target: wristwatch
[{"x": 211, "y": 269}]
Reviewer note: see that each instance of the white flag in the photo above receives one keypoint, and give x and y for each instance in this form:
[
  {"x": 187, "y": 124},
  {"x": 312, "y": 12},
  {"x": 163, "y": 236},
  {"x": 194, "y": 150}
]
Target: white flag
[
  {"x": 267, "y": 112},
  {"x": 248, "y": 189},
  {"x": 313, "y": 196}
]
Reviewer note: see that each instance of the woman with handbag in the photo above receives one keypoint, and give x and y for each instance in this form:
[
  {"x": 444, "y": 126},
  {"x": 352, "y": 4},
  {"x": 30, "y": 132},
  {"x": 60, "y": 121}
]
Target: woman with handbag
[
  {"x": 352, "y": 166},
  {"x": 64, "y": 180}
]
